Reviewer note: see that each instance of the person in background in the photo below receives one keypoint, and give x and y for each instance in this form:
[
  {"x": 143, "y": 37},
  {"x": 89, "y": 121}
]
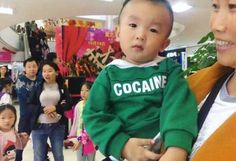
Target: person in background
[
  {"x": 10, "y": 140},
  {"x": 5, "y": 91},
  {"x": 134, "y": 99},
  {"x": 51, "y": 99},
  {"x": 215, "y": 89},
  {"x": 52, "y": 57},
  {"x": 24, "y": 85},
  {"x": 78, "y": 133},
  {"x": 4, "y": 72}
]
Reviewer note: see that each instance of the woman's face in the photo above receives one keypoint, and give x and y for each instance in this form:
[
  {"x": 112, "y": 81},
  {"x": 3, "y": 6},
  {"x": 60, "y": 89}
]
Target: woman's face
[
  {"x": 223, "y": 25},
  {"x": 84, "y": 92},
  {"x": 3, "y": 70},
  {"x": 49, "y": 74}
]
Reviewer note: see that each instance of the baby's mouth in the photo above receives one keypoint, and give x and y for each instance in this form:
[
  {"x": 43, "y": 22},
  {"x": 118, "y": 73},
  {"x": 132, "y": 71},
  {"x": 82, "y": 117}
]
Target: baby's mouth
[{"x": 137, "y": 47}]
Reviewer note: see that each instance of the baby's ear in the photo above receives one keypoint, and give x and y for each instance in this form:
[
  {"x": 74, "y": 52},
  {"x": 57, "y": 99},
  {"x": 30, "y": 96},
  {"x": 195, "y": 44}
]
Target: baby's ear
[
  {"x": 117, "y": 31},
  {"x": 165, "y": 44}
]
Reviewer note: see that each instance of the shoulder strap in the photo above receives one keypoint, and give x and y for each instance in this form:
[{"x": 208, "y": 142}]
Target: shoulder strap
[{"x": 210, "y": 100}]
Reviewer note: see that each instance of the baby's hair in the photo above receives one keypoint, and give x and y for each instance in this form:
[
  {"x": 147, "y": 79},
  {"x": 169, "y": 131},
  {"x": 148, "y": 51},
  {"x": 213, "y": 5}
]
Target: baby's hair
[
  {"x": 10, "y": 107},
  {"x": 165, "y": 3},
  {"x": 88, "y": 84}
]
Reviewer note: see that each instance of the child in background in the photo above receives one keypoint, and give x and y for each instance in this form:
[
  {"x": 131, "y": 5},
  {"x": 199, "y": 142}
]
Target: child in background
[
  {"x": 134, "y": 99},
  {"x": 9, "y": 139},
  {"x": 24, "y": 86},
  {"x": 82, "y": 142}
]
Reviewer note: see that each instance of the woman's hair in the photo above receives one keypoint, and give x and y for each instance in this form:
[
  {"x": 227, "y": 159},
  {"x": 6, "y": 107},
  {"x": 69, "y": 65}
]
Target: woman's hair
[
  {"x": 51, "y": 56},
  {"x": 10, "y": 107},
  {"x": 59, "y": 78},
  {"x": 88, "y": 84}
]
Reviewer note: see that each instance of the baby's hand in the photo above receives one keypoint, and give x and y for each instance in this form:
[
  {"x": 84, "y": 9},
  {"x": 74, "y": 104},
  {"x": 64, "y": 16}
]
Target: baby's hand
[
  {"x": 134, "y": 150},
  {"x": 174, "y": 154}
]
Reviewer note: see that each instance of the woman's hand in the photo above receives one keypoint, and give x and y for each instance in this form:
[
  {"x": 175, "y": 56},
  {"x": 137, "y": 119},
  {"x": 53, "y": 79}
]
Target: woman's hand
[
  {"x": 52, "y": 115},
  {"x": 134, "y": 150},
  {"x": 49, "y": 109}
]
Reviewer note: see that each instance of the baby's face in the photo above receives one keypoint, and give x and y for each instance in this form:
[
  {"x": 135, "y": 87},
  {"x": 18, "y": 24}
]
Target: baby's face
[{"x": 143, "y": 30}]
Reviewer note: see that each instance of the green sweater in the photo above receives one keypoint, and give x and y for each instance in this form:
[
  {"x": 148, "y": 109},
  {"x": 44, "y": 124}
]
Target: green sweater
[{"x": 127, "y": 101}]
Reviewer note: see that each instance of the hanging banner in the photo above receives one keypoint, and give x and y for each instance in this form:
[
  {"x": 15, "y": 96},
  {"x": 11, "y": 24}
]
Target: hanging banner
[
  {"x": 5, "y": 56},
  {"x": 86, "y": 51}
]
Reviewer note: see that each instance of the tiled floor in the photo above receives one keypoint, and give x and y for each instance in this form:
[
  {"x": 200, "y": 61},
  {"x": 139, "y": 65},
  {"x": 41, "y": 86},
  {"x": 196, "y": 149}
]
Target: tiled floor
[{"x": 69, "y": 155}]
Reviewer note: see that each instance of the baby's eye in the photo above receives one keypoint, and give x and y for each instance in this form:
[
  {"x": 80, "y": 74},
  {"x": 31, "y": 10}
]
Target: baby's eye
[
  {"x": 232, "y": 6},
  {"x": 154, "y": 30},
  {"x": 215, "y": 7},
  {"x": 132, "y": 25}
]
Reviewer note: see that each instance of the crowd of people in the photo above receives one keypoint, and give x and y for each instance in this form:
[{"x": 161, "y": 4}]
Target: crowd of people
[
  {"x": 43, "y": 99},
  {"x": 132, "y": 100},
  {"x": 37, "y": 41}
]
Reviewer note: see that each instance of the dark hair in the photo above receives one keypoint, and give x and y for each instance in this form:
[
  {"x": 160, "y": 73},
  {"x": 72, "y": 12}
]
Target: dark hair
[
  {"x": 51, "y": 56},
  {"x": 4, "y": 82},
  {"x": 59, "y": 78},
  {"x": 88, "y": 84},
  {"x": 31, "y": 59},
  {"x": 165, "y": 3},
  {"x": 10, "y": 107}
]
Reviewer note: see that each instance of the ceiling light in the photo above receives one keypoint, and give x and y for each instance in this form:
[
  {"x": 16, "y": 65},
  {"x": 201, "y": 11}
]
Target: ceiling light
[
  {"x": 181, "y": 7},
  {"x": 97, "y": 17},
  {"x": 94, "y": 17},
  {"x": 4, "y": 10}
]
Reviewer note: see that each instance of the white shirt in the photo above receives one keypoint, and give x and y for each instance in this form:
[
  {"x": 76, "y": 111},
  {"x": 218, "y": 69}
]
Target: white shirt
[{"x": 6, "y": 99}]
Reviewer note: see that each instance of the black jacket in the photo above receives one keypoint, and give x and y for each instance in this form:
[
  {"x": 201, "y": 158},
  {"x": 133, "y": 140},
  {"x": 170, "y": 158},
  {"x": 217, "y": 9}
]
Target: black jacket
[{"x": 64, "y": 104}]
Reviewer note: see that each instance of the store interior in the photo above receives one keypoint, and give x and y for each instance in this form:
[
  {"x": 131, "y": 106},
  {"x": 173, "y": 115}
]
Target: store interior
[{"x": 96, "y": 20}]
